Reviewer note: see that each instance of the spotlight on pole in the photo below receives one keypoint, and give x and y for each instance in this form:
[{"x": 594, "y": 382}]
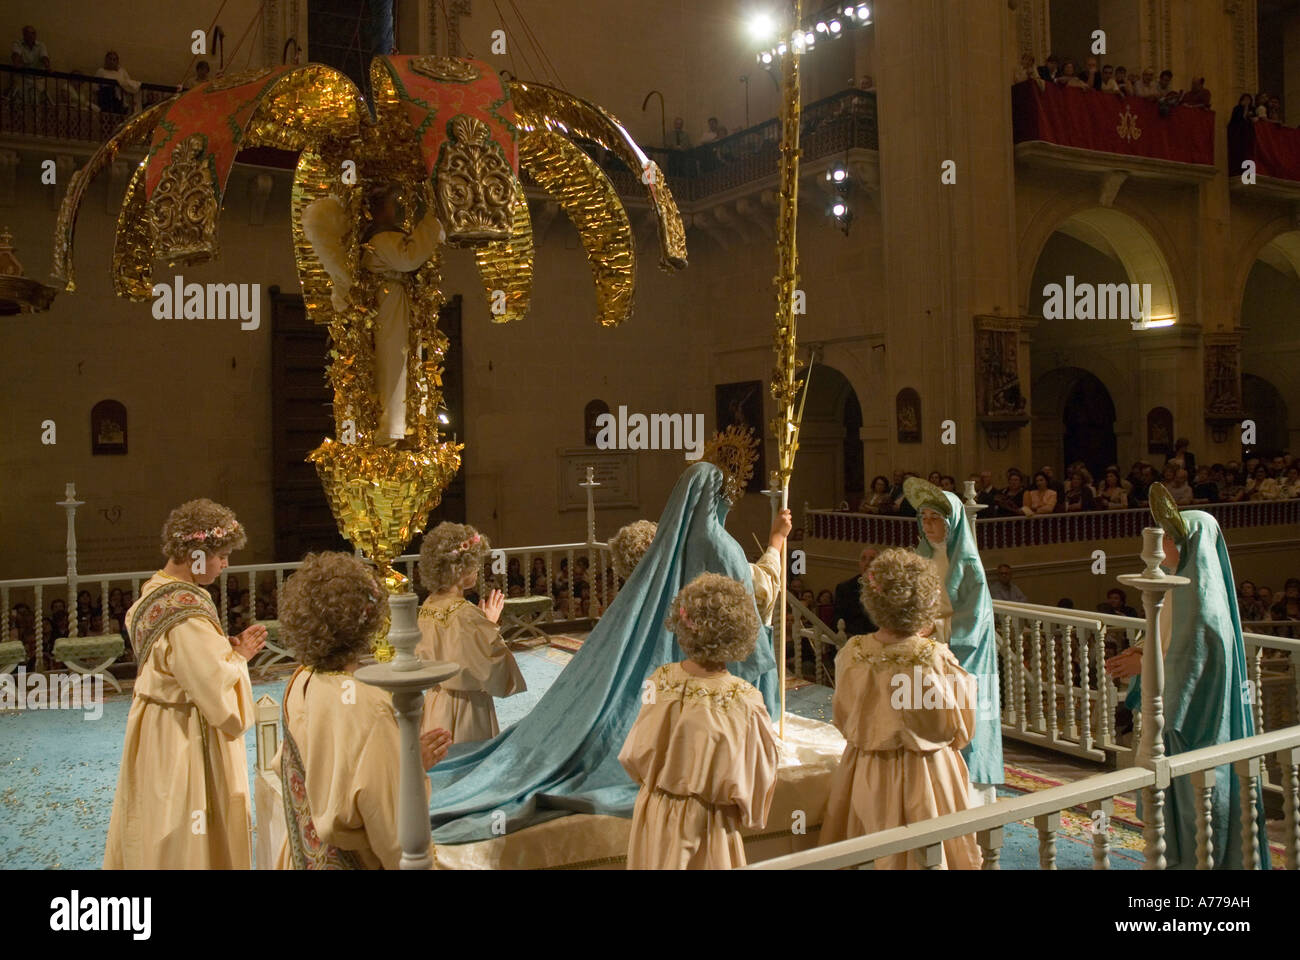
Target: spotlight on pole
[
  {"x": 835, "y": 27},
  {"x": 864, "y": 13},
  {"x": 761, "y": 27}
]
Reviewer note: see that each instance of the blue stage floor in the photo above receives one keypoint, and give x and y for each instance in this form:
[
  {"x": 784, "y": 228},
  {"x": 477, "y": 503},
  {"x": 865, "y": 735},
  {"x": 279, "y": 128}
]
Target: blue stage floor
[{"x": 58, "y": 772}]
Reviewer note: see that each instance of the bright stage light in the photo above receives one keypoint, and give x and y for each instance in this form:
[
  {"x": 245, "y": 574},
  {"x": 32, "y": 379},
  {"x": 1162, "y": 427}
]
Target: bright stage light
[
  {"x": 835, "y": 28},
  {"x": 821, "y": 26},
  {"x": 838, "y": 174},
  {"x": 848, "y": 12},
  {"x": 767, "y": 58},
  {"x": 761, "y": 27},
  {"x": 839, "y": 208},
  {"x": 864, "y": 13},
  {"x": 781, "y": 49}
]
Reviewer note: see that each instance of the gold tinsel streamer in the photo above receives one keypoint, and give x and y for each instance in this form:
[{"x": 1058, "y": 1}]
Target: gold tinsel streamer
[
  {"x": 507, "y": 265},
  {"x": 591, "y": 203},
  {"x": 133, "y": 246},
  {"x": 539, "y": 107},
  {"x": 65, "y": 227}
]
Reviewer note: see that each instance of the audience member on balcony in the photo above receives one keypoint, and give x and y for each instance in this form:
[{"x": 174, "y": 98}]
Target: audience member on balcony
[
  {"x": 1205, "y": 490},
  {"x": 1141, "y": 486},
  {"x": 30, "y": 52},
  {"x": 935, "y": 477},
  {"x": 900, "y": 764},
  {"x": 1049, "y": 70},
  {"x": 985, "y": 492},
  {"x": 1040, "y": 500},
  {"x": 902, "y": 506},
  {"x": 1145, "y": 87},
  {"x": 1068, "y": 77},
  {"x": 948, "y": 483},
  {"x": 119, "y": 96},
  {"x": 202, "y": 74},
  {"x": 1078, "y": 495},
  {"x": 878, "y": 499},
  {"x": 1112, "y": 495},
  {"x": 848, "y": 599},
  {"x": 1117, "y": 604},
  {"x": 1122, "y": 82},
  {"x": 1010, "y": 502},
  {"x": 1108, "y": 82},
  {"x": 1265, "y": 595},
  {"x": 1243, "y": 111},
  {"x": 825, "y": 608},
  {"x": 1289, "y": 487},
  {"x": 1261, "y": 106},
  {"x": 1180, "y": 489},
  {"x": 1198, "y": 95},
  {"x": 1166, "y": 96},
  {"x": 679, "y": 142},
  {"x": 1182, "y": 454},
  {"x": 1027, "y": 71},
  {"x": 1091, "y": 75},
  {"x": 1206, "y": 691},
  {"x": 1274, "y": 110},
  {"x": 1003, "y": 589},
  {"x": 1262, "y": 486}
]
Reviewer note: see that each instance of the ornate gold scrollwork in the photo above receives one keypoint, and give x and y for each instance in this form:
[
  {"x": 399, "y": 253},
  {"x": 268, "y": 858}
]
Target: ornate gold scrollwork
[
  {"x": 475, "y": 184},
  {"x": 184, "y": 206},
  {"x": 446, "y": 68}
]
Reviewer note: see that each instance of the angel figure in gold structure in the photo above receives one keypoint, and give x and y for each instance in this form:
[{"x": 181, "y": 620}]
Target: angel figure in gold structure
[{"x": 393, "y": 255}]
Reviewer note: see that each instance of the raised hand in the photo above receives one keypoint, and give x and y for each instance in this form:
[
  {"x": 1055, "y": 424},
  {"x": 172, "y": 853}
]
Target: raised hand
[
  {"x": 249, "y": 643},
  {"x": 433, "y": 746},
  {"x": 1127, "y": 663},
  {"x": 492, "y": 605}
]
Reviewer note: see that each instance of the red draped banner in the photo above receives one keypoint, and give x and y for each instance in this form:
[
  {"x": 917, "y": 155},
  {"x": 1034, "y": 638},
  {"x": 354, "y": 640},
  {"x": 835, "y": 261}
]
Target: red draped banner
[
  {"x": 1274, "y": 148},
  {"x": 1092, "y": 120}
]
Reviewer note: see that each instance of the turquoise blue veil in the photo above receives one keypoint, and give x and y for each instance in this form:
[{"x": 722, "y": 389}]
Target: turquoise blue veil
[
  {"x": 1205, "y": 701},
  {"x": 562, "y": 757},
  {"x": 974, "y": 639}
]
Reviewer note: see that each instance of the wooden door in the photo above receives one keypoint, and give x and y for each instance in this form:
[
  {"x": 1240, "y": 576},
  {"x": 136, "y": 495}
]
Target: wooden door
[{"x": 302, "y": 415}]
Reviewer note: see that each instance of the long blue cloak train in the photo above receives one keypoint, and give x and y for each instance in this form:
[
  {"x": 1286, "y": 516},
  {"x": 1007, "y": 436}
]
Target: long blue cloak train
[
  {"x": 1204, "y": 697},
  {"x": 562, "y": 757},
  {"x": 974, "y": 639}
]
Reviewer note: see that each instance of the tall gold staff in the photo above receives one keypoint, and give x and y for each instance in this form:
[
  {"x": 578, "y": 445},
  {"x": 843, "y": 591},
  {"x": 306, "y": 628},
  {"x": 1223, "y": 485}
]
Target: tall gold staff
[{"x": 785, "y": 384}]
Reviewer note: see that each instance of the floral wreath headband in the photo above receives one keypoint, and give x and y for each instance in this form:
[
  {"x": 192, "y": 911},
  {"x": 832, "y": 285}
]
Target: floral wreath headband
[
  {"x": 465, "y": 545},
  {"x": 214, "y": 533}
]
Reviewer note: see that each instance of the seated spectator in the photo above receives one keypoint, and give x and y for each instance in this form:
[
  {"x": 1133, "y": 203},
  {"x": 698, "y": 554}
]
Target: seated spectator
[
  {"x": 1274, "y": 109},
  {"x": 1204, "y": 490},
  {"x": 1049, "y": 69},
  {"x": 1050, "y": 473},
  {"x": 1262, "y": 486},
  {"x": 1198, "y": 96},
  {"x": 1289, "y": 488},
  {"x": 1138, "y": 495},
  {"x": 1180, "y": 489},
  {"x": 948, "y": 483},
  {"x": 202, "y": 74},
  {"x": 1261, "y": 106},
  {"x": 1002, "y": 588},
  {"x": 1112, "y": 495},
  {"x": 935, "y": 477},
  {"x": 119, "y": 96},
  {"x": 1116, "y": 604},
  {"x": 878, "y": 500},
  {"x": 1248, "y": 604},
  {"x": 1078, "y": 496},
  {"x": 902, "y": 506},
  {"x": 1011, "y": 501},
  {"x": 1108, "y": 82},
  {"x": 985, "y": 492},
  {"x": 1233, "y": 488},
  {"x": 1265, "y": 596},
  {"x": 848, "y": 600},
  {"x": 1040, "y": 500},
  {"x": 1146, "y": 87},
  {"x": 1027, "y": 71},
  {"x": 826, "y": 608}
]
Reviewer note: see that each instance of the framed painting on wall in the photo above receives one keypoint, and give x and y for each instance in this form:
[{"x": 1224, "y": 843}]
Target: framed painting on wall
[{"x": 107, "y": 428}]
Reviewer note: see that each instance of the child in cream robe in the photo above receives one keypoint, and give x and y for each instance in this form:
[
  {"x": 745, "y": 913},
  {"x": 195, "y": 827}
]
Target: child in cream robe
[
  {"x": 706, "y": 758},
  {"x": 182, "y": 798},
  {"x": 900, "y": 766},
  {"x": 453, "y": 629},
  {"x": 350, "y": 748}
]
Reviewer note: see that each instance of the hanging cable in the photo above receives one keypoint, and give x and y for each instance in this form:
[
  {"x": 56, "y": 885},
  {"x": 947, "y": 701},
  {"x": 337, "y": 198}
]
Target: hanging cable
[
  {"x": 257, "y": 15},
  {"x": 541, "y": 51}
]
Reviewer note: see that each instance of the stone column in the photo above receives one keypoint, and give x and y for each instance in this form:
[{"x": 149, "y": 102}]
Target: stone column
[{"x": 943, "y": 71}]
